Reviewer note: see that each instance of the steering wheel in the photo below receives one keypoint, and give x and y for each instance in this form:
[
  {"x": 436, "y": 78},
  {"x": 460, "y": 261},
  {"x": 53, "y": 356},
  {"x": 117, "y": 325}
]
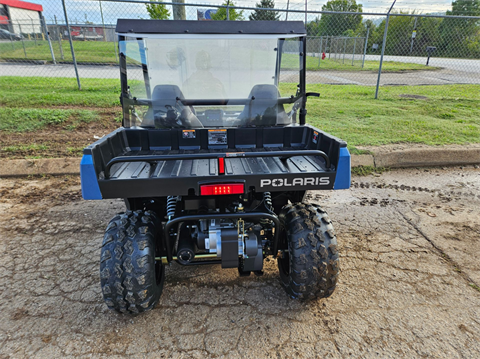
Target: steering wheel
[{"x": 172, "y": 118}]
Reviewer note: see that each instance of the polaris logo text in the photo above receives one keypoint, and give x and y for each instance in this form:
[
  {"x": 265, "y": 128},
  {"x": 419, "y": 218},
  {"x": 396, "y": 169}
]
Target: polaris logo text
[{"x": 285, "y": 182}]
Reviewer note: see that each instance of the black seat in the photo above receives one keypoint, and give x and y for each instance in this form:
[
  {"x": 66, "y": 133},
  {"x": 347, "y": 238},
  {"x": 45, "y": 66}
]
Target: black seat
[{"x": 264, "y": 109}]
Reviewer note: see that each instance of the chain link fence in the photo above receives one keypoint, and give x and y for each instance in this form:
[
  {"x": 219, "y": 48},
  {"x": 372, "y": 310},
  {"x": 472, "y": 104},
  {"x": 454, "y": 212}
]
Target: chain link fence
[{"x": 342, "y": 48}]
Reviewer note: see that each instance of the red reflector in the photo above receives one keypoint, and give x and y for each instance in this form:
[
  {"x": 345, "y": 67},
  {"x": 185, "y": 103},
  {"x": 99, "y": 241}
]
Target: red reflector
[
  {"x": 221, "y": 165},
  {"x": 221, "y": 189}
]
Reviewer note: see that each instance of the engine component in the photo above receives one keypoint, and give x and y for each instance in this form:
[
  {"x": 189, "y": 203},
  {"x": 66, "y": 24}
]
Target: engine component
[
  {"x": 213, "y": 243},
  {"x": 231, "y": 244},
  {"x": 229, "y": 252},
  {"x": 253, "y": 259}
]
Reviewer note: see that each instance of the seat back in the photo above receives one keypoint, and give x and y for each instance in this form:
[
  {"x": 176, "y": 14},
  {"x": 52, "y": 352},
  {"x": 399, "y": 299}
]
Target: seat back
[
  {"x": 264, "y": 109},
  {"x": 164, "y": 96}
]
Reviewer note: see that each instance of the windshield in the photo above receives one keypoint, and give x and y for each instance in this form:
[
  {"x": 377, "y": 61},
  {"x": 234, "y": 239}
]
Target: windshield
[{"x": 213, "y": 81}]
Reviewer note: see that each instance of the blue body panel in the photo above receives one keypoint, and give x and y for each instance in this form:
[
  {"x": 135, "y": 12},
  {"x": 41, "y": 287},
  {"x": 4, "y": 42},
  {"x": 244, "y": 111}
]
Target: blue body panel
[
  {"x": 342, "y": 180},
  {"x": 88, "y": 177}
]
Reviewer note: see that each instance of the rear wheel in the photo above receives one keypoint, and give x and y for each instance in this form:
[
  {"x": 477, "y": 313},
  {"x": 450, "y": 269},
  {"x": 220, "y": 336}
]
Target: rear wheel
[
  {"x": 131, "y": 279},
  {"x": 310, "y": 267}
]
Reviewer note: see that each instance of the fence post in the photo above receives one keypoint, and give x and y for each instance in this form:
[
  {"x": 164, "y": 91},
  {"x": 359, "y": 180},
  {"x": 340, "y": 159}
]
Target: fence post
[
  {"x": 344, "y": 48},
  {"x": 23, "y": 43},
  {"x": 11, "y": 37},
  {"x": 321, "y": 52},
  {"x": 354, "y": 46},
  {"x": 286, "y": 16},
  {"x": 179, "y": 11},
  {"x": 103, "y": 21},
  {"x": 228, "y": 9},
  {"x": 383, "y": 49},
  {"x": 59, "y": 39},
  {"x": 71, "y": 45},
  {"x": 115, "y": 49},
  {"x": 365, "y": 47},
  {"x": 329, "y": 47},
  {"x": 414, "y": 29},
  {"x": 336, "y": 49},
  {"x": 34, "y": 33},
  {"x": 305, "y": 14},
  {"x": 44, "y": 23}
]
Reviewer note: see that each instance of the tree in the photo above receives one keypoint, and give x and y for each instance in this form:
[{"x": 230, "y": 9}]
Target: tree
[
  {"x": 338, "y": 24},
  {"x": 460, "y": 37},
  {"x": 157, "y": 11},
  {"x": 465, "y": 8},
  {"x": 473, "y": 46},
  {"x": 265, "y": 14},
  {"x": 233, "y": 13},
  {"x": 313, "y": 27},
  {"x": 399, "y": 34}
]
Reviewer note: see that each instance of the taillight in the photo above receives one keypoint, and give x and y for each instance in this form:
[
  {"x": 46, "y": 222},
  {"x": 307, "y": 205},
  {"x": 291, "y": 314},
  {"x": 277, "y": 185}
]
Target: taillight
[
  {"x": 221, "y": 165},
  {"x": 221, "y": 189}
]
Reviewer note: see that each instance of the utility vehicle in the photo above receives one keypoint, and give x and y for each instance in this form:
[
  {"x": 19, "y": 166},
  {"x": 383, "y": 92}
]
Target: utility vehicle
[{"x": 213, "y": 160}]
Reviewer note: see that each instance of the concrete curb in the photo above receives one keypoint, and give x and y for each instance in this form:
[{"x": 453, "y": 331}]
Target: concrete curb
[
  {"x": 422, "y": 156},
  {"x": 385, "y": 156},
  {"x": 428, "y": 156}
]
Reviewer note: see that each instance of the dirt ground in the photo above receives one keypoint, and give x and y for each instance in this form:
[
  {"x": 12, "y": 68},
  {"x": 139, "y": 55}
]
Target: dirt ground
[
  {"x": 409, "y": 287},
  {"x": 60, "y": 140}
]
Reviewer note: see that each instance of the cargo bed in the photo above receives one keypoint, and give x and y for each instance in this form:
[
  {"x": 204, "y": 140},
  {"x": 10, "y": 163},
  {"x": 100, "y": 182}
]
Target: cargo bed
[{"x": 139, "y": 162}]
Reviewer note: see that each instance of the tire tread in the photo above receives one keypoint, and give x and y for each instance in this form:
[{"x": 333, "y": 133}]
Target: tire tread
[
  {"x": 127, "y": 263},
  {"x": 313, "y": 259}
]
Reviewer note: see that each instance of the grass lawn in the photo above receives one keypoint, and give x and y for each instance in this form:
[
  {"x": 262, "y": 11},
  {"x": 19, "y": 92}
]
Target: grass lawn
[
  {"x": 433, "y": 115},
  {"x": 54, "y": 92},
  {"x": 85, "y": 51},
  {"x": 32, "y": 119},
  {"x": 104, "y": 52}
]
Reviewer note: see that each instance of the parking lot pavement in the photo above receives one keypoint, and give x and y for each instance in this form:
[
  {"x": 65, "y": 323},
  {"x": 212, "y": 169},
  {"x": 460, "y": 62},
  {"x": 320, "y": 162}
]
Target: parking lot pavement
[{"x": 409, "y": 285}]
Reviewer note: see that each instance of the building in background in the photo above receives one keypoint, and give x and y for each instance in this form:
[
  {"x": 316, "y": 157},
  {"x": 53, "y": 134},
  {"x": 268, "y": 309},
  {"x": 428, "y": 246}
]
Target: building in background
[{"x": 21, "y": 16}]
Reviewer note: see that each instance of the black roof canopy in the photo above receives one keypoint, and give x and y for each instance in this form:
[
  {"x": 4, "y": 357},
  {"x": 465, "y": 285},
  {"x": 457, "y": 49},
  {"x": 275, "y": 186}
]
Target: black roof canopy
[{"x": 138, "y": 26}]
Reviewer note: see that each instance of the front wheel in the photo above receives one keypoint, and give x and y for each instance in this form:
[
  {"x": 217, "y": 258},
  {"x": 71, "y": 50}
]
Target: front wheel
[
  {"x": 131, "y": 279},
  {"x": 310, "y": 267}
]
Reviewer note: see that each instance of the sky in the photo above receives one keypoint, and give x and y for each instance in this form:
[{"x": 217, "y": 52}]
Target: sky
[{"x": 81, "y": 10}]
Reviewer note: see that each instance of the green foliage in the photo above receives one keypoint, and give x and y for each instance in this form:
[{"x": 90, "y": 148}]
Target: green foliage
[
  {"x": 452, "y": 37},
  {"x": 157, "y": 11},
  {"x": 338, "y": 24},
  {"x": 265, "y": 14},
  {"x": 399, "y": 35},
  {"x": 473, "y": 45},
  {"x": 465, "y": 8},
  {"x": 234, "y": 14},
  {"x": 313, "y": 27},
  {"x": 461, "y": 36}
]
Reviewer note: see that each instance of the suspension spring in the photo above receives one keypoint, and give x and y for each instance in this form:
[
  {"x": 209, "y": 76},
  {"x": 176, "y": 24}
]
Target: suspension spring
[
  {"x": 171, "y": 206},
  {"x": 267, "y": 198}
]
